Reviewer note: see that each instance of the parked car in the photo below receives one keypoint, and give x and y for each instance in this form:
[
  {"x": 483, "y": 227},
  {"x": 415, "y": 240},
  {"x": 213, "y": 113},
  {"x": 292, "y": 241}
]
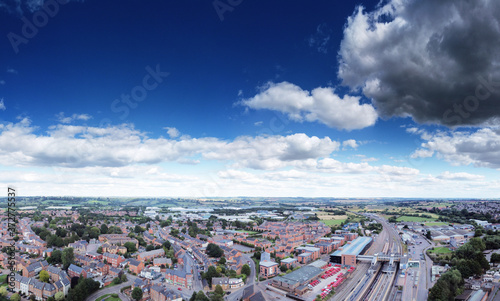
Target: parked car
[{"x": 179, "y": 288}]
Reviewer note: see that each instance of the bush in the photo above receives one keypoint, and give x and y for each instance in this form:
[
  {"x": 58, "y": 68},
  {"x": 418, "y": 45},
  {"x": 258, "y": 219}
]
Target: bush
[{"x": 125, "y": 288}]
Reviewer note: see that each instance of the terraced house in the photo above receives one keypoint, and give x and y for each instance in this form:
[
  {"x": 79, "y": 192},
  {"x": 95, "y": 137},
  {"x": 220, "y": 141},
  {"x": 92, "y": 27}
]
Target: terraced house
[{"x": 180, "y": 278}]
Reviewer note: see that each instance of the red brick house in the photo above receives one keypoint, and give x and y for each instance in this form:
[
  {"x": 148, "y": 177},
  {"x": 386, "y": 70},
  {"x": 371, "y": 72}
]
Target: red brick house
[
  {"x": 135, "y": 266},
  {"x": 113, "y": 259}
]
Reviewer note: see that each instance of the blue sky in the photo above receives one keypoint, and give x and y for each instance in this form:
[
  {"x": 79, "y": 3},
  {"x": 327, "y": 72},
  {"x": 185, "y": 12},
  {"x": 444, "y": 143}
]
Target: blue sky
[{"x": 249, "y": 98}]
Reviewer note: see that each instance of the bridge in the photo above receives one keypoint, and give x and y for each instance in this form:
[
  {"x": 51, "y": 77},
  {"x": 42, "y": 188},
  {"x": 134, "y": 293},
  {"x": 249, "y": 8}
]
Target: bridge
[{"x": 381, "y": 257}]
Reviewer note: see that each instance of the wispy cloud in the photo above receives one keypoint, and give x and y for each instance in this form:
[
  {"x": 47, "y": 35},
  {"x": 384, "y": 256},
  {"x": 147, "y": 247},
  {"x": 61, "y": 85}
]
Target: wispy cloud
[
  {"x": 319, "y": 40},
  {"x": 2, "y": 105},
  {"x": 351, "y": 143},
  {"x": 63, "y": 119},
  {"x": 13, "y": 71},
  {"x": 172, "y": 132}
]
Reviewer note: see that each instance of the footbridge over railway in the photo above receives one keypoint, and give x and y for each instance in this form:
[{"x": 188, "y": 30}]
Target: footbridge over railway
[{"x": 381, "y": 257}]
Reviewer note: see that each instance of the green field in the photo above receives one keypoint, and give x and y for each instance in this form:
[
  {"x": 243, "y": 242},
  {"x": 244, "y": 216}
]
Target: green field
[
  {"x": 54, "y": 202},
  {"x": 249, "y": 232},
  {"x": 98, "y": 202},
  {"x": 436, "y": 224},
  {"x": 440, "y": 250},
  {"x": 107, "y": 298},
  {"x": 331, "y": 222},
  {"x": 414, "y": 219}
]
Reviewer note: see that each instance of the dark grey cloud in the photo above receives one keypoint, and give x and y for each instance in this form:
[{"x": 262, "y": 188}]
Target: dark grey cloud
[{"x": 437, "y": 61}]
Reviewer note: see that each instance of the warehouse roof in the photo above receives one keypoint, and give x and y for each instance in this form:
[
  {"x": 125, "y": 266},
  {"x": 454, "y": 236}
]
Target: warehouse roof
[{"x": 355, "y": 247}]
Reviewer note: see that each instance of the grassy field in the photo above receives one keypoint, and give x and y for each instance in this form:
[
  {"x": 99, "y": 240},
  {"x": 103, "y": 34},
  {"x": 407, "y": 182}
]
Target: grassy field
[
  {"x": 98, "y": 202},
  {"x": 329, "y": 217},
  {"x": 246, "y": 231},
  {"x": 440, "y": 250},
  {"x": 2, "y": 280},
  {"x": 54, "y": 202},
  {"x": 436, "y": 224},
  {"x": 107, "y": 298},
  {"x": 331, "y": 222},
  {"x": 414, "y": 219}
]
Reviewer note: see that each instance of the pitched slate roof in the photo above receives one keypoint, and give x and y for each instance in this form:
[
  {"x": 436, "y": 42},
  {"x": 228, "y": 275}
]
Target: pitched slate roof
[
  {"x": 75, "y": 269},
  {"x": 38, "y": 284}
]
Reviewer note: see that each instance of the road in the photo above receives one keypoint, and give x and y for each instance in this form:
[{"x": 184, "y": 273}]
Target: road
[
  {"x": 113, "y": 290},
  {"x": 236, "y": 295},
  {"x": 197, "y": 283}
]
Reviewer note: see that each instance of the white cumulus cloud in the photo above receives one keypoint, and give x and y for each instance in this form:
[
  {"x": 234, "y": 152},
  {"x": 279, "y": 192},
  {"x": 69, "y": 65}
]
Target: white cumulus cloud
[{"x": 321, "y": 105}]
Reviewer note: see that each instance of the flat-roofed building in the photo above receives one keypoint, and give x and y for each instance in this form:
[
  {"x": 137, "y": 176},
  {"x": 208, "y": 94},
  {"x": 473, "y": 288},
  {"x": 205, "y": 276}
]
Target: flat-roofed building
[
  {"x": 268, "y": 269},
  {"x": 297, "y": 281},
  {"x": 347, "y": 254}
]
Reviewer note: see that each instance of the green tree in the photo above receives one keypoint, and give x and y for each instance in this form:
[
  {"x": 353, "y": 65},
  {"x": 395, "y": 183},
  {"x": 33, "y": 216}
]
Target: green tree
[
  {"x": 212, "y": 272},
  {"x": 94, "y": 232},
  {"x": 214, "y": 250},
  {"x": 59, "y": 296},
  {"x": 222, "y": 260},
  {"x": 200, "y": 296},
  {"x": 137, "y": 293},
  {"x": 68, "y": 257},
  {"x": 44, "y": 276},
  {"x": 246, "y": 270},
  {"x": 15, "y": 297},
  {"x": 219, "y": 290},
  {"x": 495, "y": 257},
  {"x": 104, "y": 228},
  {"x": 428, "y": 235},
  {"x": 193, "y": 297},
  {"x": 478, "y": 244},
  {"x": 130, "y": 247},
  {"x": 3, "y": 291},
  {"x": 447, "y": 287}
]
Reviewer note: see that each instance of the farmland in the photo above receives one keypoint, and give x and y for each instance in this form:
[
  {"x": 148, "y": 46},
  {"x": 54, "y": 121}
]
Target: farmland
[{"x": 405, "y": 218}]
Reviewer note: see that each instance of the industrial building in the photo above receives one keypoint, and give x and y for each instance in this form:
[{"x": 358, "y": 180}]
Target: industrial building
[
  {"x": 297, "y": 281},
  {"x": 348, "y": 253}
]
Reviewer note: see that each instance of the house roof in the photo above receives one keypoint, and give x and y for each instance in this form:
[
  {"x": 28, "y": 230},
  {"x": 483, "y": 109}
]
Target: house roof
[
  {"x": 268, "y": 263},
  {"x": 134, "y": 262},
  {"x": 75, "y": 269},
  {"x": 38, "y": 284}
]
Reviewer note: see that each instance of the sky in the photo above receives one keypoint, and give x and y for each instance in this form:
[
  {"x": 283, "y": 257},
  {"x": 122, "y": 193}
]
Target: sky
[{"x": 229, "y": 98}]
